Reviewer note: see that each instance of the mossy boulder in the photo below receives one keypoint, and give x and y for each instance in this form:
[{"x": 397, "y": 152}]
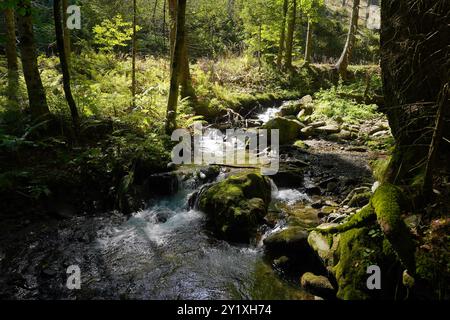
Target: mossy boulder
[
  {"x": 318, "y": 285},
  {"x": 289, "y": 129},
  {"x": 288, "y": 241},
  {"x": 236, "y": 206}
]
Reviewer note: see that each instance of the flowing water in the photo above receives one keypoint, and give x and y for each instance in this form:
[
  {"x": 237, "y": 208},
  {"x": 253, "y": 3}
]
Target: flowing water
[{"x": 163, "y": 252}]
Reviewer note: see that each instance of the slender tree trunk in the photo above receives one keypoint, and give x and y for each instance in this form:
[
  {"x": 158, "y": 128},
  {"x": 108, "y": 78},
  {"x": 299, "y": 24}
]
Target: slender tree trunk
[
  {"x": 283, "y": 34},
  {"x": 133, "y": 68},
  {"x": 173, "y": 26},
  {"x": 67, "y": 42},
  {"x": 344, "y": 60},
  {"x": 290, "y": 35},
  {"x": 185, "y": 80},
  {"x": 259, "y": 45},
  {"x": 308, "y": 46},
  {"x": 36, "y": 92},
  {"x": 64, "y": 66},
  {"x": 11, "y": 57},
  {"x": 176, "y": 67}
]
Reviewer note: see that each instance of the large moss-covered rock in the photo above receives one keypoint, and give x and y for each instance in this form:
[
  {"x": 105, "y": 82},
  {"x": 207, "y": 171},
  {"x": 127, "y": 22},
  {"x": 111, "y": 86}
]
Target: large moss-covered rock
[
  {"x": 236, "y": 206},
  {"x": 290, "y": 130}
]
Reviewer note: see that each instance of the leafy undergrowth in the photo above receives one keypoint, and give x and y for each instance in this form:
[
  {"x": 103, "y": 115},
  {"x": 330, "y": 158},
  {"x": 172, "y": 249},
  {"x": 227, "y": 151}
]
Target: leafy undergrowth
[
  {"x": 44, "y": 170},
  {"x": 349, "y": 102}
]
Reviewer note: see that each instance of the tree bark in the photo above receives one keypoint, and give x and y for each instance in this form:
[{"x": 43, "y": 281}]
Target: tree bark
[
  {"x": 134, "y": 49},
  {"x": 64, "y": 66},
  {"x": 67, "y": 42},
  {"x": 308, "y": 46},
  {"x": 11, "y": 57},
  {"x": 185, "y": 80},
  {"x": 36, "y": 92},
  {"x": 283, "y": 34},
  {"x": 290, "y": 35},
  {"x": 176, "y": 67},
  {"x": 346, "y": 55},
  {"x": 415, "y": 48}
]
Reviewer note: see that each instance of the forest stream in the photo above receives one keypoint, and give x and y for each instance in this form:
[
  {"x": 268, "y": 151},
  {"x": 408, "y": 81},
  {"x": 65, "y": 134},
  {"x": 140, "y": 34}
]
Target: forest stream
[{"x": 165, "y": 251}]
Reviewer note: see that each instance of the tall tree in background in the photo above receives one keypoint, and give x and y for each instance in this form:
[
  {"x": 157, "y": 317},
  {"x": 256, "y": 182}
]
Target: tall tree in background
[
  {"x": 308, "y": 46},
  {"x": 290, "y": 34},
  {"x": 64, "y": 66},
  {"x": 176, "y": 66},
  {"x": 134, "y": 49},
  {"x": 27, "y": 44},
  {"x": 415, "y": 51},
  {"x": 11, "y": 56},
  {"x": 185, "y": 80},
  {"x": 311, "y": 9},
  {"x": 346, "y": 55},
  {"x": 67, "y": 42},
  {"x": 282, "y": 34}
]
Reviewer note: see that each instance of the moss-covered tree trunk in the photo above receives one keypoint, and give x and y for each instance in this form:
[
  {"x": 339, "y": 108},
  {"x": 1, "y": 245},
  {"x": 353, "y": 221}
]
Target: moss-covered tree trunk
[
  {"x": 415, "y": 53},
  {"x": 36, "y": 93},
  {"x": 282, "y": 34},
  {"x": 290, "y": 34},
  {"x": 11, "y": 57},
  {"x": 176, "y": 67},
  {"x": 346, "y": 55},
  {"x": 64, "y": 65},
  {"x": 308, "y": 46}
]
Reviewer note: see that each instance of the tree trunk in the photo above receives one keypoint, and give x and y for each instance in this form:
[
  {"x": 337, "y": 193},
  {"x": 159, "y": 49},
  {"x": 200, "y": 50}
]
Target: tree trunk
[
  {"x": 64, "y": 66},
  {"x": 308, "y": 46},
  {"x": 36, "y": 92},
  {"x": 283, "y": 34},
  {"x": 134, "y": 49},
  {"x": 173, "y": 26},
  {"x": 67, "y": 42},
  {"x": 187, "y": 90},
  {"x": 11, "y": 57},
  {"x": 176, "y": 67},
  {"x": 414, "y": 60},
  {"x": 344, "y": 60},
  {"x": 290, "y": 35}
]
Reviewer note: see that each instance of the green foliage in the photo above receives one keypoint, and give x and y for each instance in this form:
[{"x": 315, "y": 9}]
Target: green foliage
[
  {"x": 112, "y": 33},
  {"x": 335, "y": 103}
]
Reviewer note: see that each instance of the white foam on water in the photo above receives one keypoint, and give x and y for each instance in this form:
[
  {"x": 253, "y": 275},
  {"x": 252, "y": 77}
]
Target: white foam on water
[
  {"x": 269, "y": 114},
  {"x": 291, "y": 196}
]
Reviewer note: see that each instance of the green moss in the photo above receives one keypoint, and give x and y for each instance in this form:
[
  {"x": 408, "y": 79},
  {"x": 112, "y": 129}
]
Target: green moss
[
  {"x": 301, "y": 145},
  {"x": 387, "y": 202},
  {"x": 363, "y": 217},
  {"x": 267, "y": 285},
  {"x": 237, "y": 205},
  {"x": 350, "y": 272}
]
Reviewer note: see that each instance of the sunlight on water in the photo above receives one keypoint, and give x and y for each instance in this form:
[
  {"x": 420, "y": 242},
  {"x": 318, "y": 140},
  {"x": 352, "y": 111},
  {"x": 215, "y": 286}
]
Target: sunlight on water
[
  {"x": 292, "y": 196},
  {"x": 269, "y": 114}
]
